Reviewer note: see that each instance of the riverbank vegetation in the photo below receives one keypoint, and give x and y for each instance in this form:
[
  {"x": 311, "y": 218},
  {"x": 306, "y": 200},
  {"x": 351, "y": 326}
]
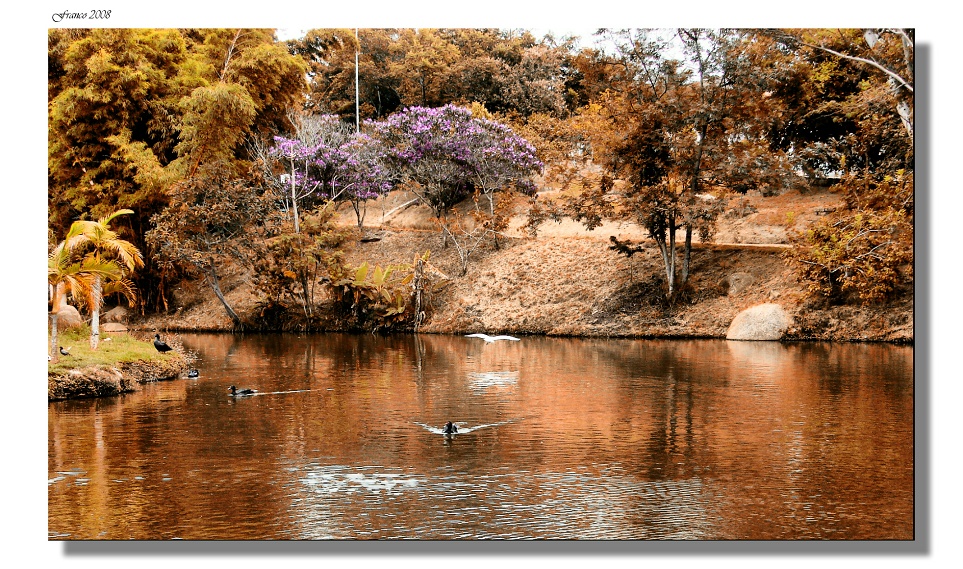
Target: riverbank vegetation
[{"x": 249, "y": 166}]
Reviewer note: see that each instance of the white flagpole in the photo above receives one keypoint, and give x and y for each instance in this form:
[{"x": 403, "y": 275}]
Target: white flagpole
[{"x": 357, "y": 103}]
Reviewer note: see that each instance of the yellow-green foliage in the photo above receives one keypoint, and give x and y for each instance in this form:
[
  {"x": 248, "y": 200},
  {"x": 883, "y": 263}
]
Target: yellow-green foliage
[
  {"x": 121, "y": 349},
  {"x": 865, "y": 251},
  {"x": 865, "y": 254},
  {"x": 380, "y": 299},
  {"x": 376, "y": 299},
  {"x": 891, "y": 191}
]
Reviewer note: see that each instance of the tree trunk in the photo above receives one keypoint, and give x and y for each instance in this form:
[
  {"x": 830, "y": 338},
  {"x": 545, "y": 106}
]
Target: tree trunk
[
  {"x": 360, "y": 211},
  {"x": 54, "y": 313},
  {"x": 294, "y": 199},
  {"x": 54, "y": 353},
  {"x": 216, "y": 287},
  {"x": 306, "y": 298},
  {"x": 417, "y": 285},
  {"x": 444, "y": 228},
  {"x": 687, "y": 255},
  {"x": 671, "y": 267},
  {"x": 491, "y": 210},
  {"x": 95, "y": 315}
]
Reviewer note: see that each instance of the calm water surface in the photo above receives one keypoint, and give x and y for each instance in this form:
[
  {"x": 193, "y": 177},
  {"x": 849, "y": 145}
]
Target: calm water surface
[{"x": 560, "y": 439}]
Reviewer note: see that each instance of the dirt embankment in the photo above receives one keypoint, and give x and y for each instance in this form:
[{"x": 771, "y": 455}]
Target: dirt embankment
[
  {"x": 102, "y": 380},
  {"x": 566, "y": 281}
]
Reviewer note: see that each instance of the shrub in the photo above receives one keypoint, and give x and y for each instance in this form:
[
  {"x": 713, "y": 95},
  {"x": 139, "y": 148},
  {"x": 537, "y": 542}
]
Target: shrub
[
  {"x": 290, "y": 273},
  {"x": 862, "y": 255},
  {"x": 390, "y": 298}
]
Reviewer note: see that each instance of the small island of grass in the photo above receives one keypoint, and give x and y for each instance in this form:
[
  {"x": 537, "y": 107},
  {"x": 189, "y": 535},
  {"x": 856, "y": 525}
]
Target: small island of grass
[{"x": 115, "y": 367}]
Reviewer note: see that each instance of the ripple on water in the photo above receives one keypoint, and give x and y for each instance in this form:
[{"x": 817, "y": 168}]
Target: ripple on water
[{"x": 401, "y": 503}]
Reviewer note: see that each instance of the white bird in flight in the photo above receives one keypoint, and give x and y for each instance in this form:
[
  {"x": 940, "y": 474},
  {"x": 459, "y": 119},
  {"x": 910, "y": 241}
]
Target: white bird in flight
[{"x": 489, "y": 339}]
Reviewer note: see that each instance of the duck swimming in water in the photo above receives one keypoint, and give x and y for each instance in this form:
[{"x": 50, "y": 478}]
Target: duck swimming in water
[
  {"x": 450, "y": 428},
  {"x": 161, "y": 345},
  {"x": 236, "y": 392},
  {"x": 193, "y": 374}
]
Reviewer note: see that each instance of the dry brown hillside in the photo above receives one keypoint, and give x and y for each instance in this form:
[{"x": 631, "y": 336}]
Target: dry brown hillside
[{"x": 566, "y": 281}]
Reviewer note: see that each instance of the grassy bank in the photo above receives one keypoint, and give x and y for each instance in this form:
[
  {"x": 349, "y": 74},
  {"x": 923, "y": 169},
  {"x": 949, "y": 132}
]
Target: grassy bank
[{"x": 120, "y": 362}]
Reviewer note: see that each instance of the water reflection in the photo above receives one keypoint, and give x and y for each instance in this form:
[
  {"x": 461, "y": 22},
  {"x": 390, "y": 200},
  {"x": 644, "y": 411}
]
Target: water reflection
[
  {"x": 558, "y": 438},
  {"x": 481, "y": 382}
]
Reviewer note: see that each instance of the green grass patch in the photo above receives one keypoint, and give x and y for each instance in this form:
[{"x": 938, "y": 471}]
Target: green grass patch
[{"x": 122, "y": 348}]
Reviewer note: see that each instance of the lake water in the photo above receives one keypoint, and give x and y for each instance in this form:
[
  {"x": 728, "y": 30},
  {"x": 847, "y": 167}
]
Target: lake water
[{"x": 559, "y": 439}]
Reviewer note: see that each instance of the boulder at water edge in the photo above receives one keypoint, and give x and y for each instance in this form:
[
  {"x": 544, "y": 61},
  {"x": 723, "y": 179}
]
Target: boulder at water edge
[{"x": 761, "y": 322}]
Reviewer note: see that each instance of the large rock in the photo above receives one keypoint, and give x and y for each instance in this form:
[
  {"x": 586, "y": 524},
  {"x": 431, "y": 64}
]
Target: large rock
[
  {"x": 739, "y": 282},
  {"x": 69, "y": 317},
  {"x": 116, "y": 314},
  {"x": 761, "y": 322}
]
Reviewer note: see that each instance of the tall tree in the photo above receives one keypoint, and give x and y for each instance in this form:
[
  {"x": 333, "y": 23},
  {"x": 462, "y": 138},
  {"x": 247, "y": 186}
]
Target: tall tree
[
  {"x": 537, "y": 84},
  {"x": 421, "y": 66},
  {"x": 330, "y": 54},
  {"x": 213, "y": 217},
  {"x": 122, "y": 99},
  {"x": 669, "y": 131},
  {"x": 850, "y": 98},
  {"x": 113, "y": 121},
  {"x": 217, "y": 120},
  {"x": 508, "y": 71},
  {"x": 890, "y": 52}
]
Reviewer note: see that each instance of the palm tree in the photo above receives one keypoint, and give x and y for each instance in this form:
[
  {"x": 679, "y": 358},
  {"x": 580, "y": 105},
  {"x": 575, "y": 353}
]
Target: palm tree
[
  {"x": 104, "y": 245},
  {"x": 67, "y": 276}
]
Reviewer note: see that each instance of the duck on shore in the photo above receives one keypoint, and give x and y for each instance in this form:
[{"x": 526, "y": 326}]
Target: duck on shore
[{"x": 161, "y": 345}]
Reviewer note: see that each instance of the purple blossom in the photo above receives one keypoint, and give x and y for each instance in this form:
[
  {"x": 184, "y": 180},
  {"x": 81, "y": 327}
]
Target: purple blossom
[
  {"x": 444, "y": 149},
  {"x": 337, "y": 164},
  {"x": 448, "y": 149}
]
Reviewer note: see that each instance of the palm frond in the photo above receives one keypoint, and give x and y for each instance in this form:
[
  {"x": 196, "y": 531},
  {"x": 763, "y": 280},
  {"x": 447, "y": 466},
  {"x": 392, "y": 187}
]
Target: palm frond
[
  {"x": 104, "y": 241},
  {"x": 123, "y": 287},
  {"x": 62, "y": 268},
  {"x": 110, "y": 217}
]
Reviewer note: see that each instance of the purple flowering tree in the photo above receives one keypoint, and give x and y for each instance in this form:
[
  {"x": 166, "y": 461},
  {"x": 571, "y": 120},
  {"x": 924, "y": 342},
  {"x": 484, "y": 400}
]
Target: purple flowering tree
[
  {"x": 450, "y": 153},
  {"x": 425, "y": 146},
  {"x": 364, "y": 173},
  {"x": 325, "y": 162},
  {"x": 500, "y": 160},
  {"x": 447, "y": 154},
  {"x": 293, "y": 155}
]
